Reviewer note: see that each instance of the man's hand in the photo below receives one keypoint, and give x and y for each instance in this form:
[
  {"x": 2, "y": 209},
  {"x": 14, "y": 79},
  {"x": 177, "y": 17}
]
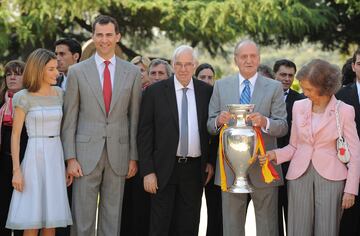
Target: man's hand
[
  {"x": 150, "y": 183},
  {"x": 348, "y": 200},
  {"x": 74, "y": 168},
  {"x": 210, "y": 172},
  {"x": 223, "y": 118},
  {"x": 257, "y": 119},
  {"x": 132, "y": 169}
]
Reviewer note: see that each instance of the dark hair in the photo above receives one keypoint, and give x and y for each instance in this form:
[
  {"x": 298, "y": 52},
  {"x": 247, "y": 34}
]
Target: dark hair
[
  {"x": 266, "y": 71},
  {"x": 357, "y": 52},
  {"x": 104, "y": 20},
  {"x": 283, "y": 62},
  {"x": 14, "y": 66},
  {"x": 73, "y": 45},
  {"x": 322, "y": 75},
  {"x": 34, "y": 68},
  {"x": 348, "y": 75},
  {"x": 203, "y": 67}
]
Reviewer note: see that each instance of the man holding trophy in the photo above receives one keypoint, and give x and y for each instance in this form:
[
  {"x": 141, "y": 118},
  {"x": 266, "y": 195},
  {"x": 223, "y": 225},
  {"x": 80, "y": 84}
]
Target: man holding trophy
[{"x": 268, "y": 116}]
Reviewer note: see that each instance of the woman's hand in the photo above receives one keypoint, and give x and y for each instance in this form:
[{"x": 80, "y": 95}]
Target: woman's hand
[
  {"x": 18, "y": 180},
  {"x": 269, "y": 155},
  {"x": 348, "y": 200}
]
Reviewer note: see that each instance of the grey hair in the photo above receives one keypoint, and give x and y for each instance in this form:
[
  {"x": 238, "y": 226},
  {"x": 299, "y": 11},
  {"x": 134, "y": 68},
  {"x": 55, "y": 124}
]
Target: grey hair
[
  {"x": 243, "y": 42},
  {"x": 182, "y": 49},
  {"x": 158, "y": 61}
]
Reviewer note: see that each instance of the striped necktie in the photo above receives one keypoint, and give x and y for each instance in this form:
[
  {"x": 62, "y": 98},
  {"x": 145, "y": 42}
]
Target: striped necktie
[{"x": 245, "y": 94}]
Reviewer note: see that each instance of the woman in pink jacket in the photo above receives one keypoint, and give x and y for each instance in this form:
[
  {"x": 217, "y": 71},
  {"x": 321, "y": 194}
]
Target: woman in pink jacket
[{"x": 319, "y": 185}]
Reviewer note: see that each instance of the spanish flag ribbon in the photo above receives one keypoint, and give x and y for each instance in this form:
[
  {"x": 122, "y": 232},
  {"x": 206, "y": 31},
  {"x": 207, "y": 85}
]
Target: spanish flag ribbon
[{"x": 268, "y": 171}]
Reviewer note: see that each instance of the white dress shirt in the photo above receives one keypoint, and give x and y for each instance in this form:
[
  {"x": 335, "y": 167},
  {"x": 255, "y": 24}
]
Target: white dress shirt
[
  {"x": 63, "y": 84},
  {"x": 194, "y": 136},
  {"x": 101, "y": 66}
]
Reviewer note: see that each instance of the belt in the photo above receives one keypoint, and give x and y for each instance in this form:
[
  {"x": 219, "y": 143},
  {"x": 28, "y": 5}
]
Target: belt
[
  {"x": 44, "y": 136},
  {"x": 183, "y": 160}
]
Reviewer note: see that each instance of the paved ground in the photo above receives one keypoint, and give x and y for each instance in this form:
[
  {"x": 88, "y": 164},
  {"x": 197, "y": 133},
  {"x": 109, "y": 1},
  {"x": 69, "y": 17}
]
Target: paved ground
[{"x": 250, "y": 226}]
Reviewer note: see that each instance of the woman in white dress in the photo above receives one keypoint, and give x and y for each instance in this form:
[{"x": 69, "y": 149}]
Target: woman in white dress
[{"x": 40, "y": 199}]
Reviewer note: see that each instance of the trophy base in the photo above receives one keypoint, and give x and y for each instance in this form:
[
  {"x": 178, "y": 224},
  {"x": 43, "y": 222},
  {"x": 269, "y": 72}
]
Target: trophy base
[{"x": 240, "y": 185}]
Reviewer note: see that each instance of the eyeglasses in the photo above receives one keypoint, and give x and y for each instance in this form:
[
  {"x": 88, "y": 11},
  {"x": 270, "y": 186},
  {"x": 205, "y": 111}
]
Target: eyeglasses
[
  {"x": 187, "y": 65},
  {"x": 204, "y": 77}
]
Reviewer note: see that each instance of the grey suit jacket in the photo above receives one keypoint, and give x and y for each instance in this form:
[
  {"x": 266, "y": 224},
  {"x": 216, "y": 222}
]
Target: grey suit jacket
[
  {"x": 269, "y": 101},
  {"x": 86, "y": 127}
]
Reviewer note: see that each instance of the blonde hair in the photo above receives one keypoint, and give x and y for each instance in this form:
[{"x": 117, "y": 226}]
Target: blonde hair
[{"x": 34, "y": 68}]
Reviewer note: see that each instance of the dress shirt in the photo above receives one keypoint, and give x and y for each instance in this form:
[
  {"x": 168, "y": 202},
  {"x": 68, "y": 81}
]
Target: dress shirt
[
  {"x": 101, "y": 66},
  {"x": 252, "y": 81},
  {"x": 194, "y": 136},
  {"x": 358, "y": 88}
]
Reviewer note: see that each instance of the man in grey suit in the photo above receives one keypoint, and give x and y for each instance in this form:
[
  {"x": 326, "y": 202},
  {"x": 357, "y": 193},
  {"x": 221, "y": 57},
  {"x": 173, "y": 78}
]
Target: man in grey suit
[
  {"x": 101, "y": 108},
  {"x": 270, "y": 115}
]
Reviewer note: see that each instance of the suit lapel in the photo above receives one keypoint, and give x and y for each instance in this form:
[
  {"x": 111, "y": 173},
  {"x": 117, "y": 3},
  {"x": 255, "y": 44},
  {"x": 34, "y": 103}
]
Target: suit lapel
[
  {"x": 120, "y": 78},
  {"x": 92, "y": 76},
  {"x": 355, "y": 97},
  {"x": 259, "y": 89},
  {"x": 198, "y": 100},
  {"x": 171, "y": 98}
]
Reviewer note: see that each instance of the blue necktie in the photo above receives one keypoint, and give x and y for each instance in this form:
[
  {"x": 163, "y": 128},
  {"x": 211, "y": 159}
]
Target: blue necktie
[
  {"x": 245, "y": 94},
  {"x": 184, "y": 138}
]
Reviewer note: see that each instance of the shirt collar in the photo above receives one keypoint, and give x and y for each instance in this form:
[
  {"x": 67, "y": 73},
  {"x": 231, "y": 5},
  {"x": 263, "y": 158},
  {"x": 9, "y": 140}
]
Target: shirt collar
[
  {"x": 252, "y": 79},
  {"x": 99, "y": 60},
  {"x": 179, "y": 86}
]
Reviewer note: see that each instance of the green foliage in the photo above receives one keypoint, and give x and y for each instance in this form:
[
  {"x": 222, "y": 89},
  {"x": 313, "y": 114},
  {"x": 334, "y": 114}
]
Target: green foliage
[{"x": 209, "y": 24}]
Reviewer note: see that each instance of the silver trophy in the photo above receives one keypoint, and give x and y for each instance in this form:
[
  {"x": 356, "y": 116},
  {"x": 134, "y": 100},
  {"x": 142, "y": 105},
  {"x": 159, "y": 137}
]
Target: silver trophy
[{"x": 239, "y": 140}]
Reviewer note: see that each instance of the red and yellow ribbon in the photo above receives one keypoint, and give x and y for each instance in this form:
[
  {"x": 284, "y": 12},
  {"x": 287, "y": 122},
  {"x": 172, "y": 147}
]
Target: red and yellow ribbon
[{"x": 268, "y": 171}]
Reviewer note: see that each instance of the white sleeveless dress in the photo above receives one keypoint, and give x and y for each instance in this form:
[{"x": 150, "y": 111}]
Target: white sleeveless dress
[{"x": 43, "y": 202}]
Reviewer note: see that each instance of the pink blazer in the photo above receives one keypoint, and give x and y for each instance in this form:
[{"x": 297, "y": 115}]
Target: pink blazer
[{"x": 319, "y": 146}]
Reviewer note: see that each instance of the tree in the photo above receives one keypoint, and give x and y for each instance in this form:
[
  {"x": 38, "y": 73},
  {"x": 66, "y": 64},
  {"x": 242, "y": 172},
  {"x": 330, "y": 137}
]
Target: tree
[{"x": 27, "y": 24}]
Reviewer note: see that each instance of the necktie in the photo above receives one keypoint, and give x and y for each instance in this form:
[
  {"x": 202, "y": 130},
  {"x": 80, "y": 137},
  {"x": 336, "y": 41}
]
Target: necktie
[
  {"x": 285, "y": 95},
  {"x": 107, "y": 91},
  {"x": 184, "y": 125},
  {"x": 245, "y": 94}
]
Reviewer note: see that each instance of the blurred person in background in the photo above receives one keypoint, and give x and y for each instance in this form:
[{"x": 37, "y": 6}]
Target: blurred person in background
[
  {"x": 9, "y": 86},
  {"x": 159, "y": 70},
  {"x": 143, "y": 63},
  {"x": 348, "y": 74},
  {"x": 68, "y": 52},
  {"x": 266, "y": 71}
]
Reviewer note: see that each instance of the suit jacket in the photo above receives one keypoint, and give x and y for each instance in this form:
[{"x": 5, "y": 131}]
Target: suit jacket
[
  {"x": 87, "y": 128},
  {"x": 290, "y": 99},
  {"x": 269, "y": 101},
  {"x": 349, "y": 95},
  {"x": 158, "y": 135},
  {"x": 319, "y": 146}
]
